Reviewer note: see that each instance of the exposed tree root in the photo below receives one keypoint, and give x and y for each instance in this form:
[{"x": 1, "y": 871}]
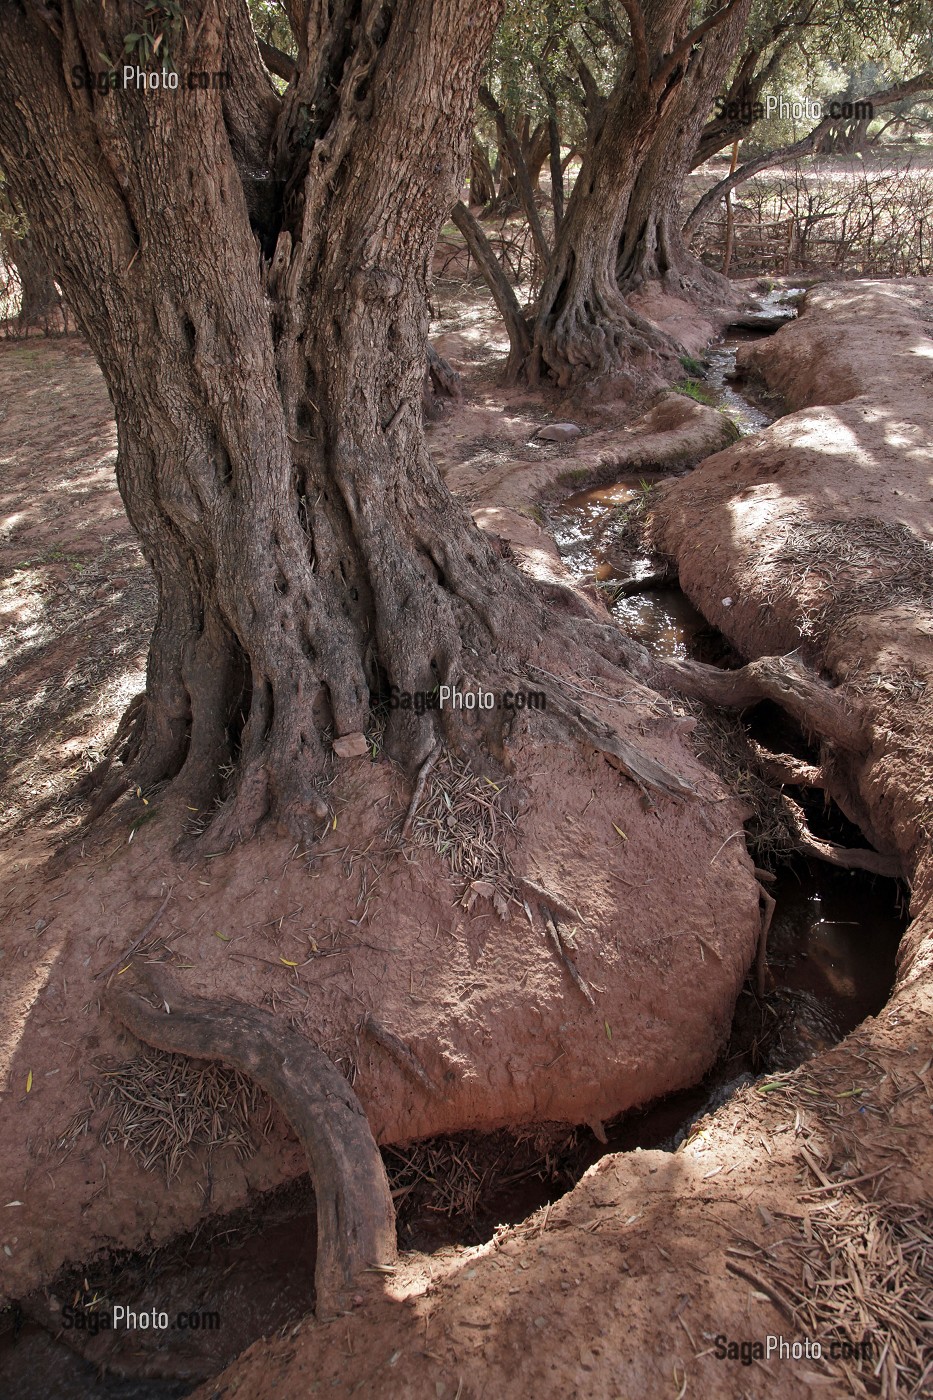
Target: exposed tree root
[
  {"x": 785, "y": 770},
  {"x": 768, "y": 905},
  {"x": 101, "y": 780},
  {"x": 561, "y": 948},
  {"x": 355, "y": 1215},
  {"x": 847, "y": 857},
  {"x": 816, "y": 707},
  {"x": 820, "y": 710},
  {"x": 632, "y": 587},
  {"x": 645, "y": 772},
  {"x": 400, "y": 1052},
  {"x": 426, "y": 769}
]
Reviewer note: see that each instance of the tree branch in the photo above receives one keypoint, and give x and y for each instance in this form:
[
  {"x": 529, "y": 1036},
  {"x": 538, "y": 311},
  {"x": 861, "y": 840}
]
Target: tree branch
[
  {"x": 516, "y": 156},
  {"x": 923, "y": 82},
  {"x": 639, "y": 43},
  {"x": 678, "y": 54},
  {"x": 846, "y": 857},
  {"x": 503, "y": 293},
  {"x": 279, "y": 63}
]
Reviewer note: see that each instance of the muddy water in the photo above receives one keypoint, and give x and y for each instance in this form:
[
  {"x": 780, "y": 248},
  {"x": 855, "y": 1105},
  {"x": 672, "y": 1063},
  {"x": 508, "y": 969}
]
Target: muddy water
[
  {"x": 835, "y": 933},
  {"x": 662, "y": 618}
]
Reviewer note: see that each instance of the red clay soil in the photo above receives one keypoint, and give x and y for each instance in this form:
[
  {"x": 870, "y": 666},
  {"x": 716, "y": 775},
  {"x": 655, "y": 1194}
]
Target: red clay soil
[
  {"x": 662, "y": 901},
  {"x": 622, "y": 1287},
  {"x": 819, "y": 1181}
]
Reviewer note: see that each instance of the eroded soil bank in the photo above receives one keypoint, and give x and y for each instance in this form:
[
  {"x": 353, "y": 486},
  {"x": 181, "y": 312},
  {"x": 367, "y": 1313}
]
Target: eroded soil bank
[
  {"x": 438, "y": 938},
  {"x": 801, "y": 1208}
]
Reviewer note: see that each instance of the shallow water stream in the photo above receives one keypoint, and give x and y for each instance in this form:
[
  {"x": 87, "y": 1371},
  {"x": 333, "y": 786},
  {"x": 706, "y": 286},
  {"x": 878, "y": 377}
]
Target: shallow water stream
[{"x": 835, "y": 933}]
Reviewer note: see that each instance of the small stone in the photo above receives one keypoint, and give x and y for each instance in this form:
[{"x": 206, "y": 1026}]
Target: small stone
[
  {"x": 351, "y": 745},
  {"x": 559, "y": 432},
  {"x": 727, "y": 602}
]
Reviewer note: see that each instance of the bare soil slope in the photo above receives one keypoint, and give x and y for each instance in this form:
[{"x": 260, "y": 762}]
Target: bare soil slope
[
  {"x": 802, "y": 1208},
  {"x": 430, "y": 937}
]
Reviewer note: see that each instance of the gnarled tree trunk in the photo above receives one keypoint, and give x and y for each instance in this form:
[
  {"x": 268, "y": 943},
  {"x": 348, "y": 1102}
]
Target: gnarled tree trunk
[
  {"x": 651, "y": 247},
  {"x": 584, "y": 329},
  {"x": 40, "y": 301},
  {"x": 271, "y": 449},
  {"x": 482, "y": 181}
]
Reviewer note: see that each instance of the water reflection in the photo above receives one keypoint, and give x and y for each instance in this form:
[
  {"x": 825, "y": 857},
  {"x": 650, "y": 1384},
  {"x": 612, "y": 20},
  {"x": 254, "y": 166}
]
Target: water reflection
[{"x": 664, "y": 620}]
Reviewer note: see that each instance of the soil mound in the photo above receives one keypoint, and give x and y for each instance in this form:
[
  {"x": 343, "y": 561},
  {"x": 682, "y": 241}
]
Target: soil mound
[{"x": 802, "y": 1207}]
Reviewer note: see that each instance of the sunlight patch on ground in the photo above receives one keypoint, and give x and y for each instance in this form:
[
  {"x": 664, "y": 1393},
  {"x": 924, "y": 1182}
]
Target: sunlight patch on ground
[{"x": 23, "y": 984}]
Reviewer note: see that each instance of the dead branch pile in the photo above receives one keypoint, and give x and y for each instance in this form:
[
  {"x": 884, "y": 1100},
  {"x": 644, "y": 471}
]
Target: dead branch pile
[
  {"x": 864, "y": 218},
  {"x": 458, "y": 1176}
]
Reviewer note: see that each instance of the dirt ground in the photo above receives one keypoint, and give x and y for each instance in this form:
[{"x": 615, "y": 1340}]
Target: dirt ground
[
  {"x": 447, "y": 951},
  {"x": 641, "y": 1255},
  {"x": 655, "y": 1257}
]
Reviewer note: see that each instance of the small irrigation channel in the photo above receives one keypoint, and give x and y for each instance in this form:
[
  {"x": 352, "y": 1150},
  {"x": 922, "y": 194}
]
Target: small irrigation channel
[
  {"x": 831, "y": 958},
  {"x": 834, "y": 936}
]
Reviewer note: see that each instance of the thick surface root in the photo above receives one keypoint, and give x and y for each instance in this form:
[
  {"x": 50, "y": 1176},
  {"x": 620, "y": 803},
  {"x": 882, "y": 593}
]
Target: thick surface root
[
  {"x": 846, "y": 857},
  {"x": 818, "y": 708},
  {"x": 355, "y": 1214},
  {"x": 644, "y": 771}
]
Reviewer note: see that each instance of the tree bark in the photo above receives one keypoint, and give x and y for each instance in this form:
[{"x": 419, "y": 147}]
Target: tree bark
[
  {"x": 40, "y": 300},
  {"x": 271, "y": 449},
  {"x": 536, "y": 152},
  {"x": 355, "y": 1214},
  {"x": 556, "y": 172},
  {"x": 650, "y": 245},
  {"x": 482, "y": 182}
]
